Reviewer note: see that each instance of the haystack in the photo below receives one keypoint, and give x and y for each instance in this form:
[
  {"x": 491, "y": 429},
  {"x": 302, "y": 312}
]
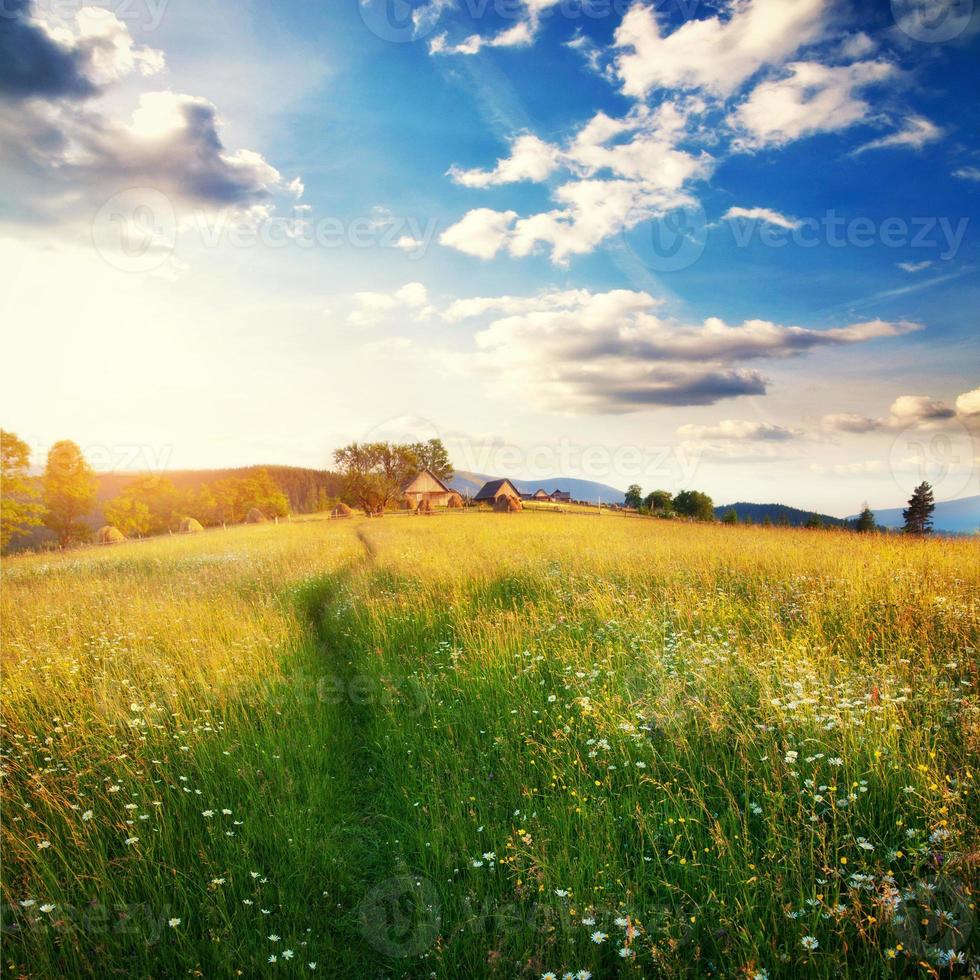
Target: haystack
[
  {"x": 110, "y": 535},
  {"x": 455, "y": 501},
  {"x": 506, "y": 505},
  {"x": 190, "y": 526},
  {"x": 341, "y": 510},
  {"x": 254, "y": 516},
  {"x": 424, "y": 507}
]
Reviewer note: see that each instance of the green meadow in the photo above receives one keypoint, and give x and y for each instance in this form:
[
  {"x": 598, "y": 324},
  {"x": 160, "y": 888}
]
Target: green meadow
[{"x": 493, "y": 745}]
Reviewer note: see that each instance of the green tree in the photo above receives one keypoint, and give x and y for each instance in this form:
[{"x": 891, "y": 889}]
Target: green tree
[
  {"x": 694, "y": 504},
  {"x": 375, "y": 472},
  {"x": 814, "y": 523},
  {"x": 69, "y": 493},
  {"x": 160, "y": 498},
  {"x": 432, "y": 455},
  {"x": 634, "y": 496},
  {"x": 731, "y": 517},
  {"x": 865, "y": 521},
  {"x": 918, "y": 514},
  {"x": 261, "y": 491},
  {"x": 19, "y": 509},
  {"x": 658, "y": 500},
  {"x": 129, "y": 515},
  {"x": 202, "y": 505}
]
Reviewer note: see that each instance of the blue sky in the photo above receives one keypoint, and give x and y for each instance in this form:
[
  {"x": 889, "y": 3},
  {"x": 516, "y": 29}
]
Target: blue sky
[{"x": 729, "y": 245}]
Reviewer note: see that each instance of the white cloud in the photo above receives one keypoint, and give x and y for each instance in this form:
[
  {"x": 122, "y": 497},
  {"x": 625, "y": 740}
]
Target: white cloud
[
  {"x": 914, "y": 266},
  {"x": 370, "y": 307},
  {"x": 762, "y": 214},
  {"x": 408, "y": 243},
  {"x": 67, "y": 145},
  {"x": 910, "y": 411},
  {"x": 481, "y": 232},
  {"x": 624, "y": 170},
  {"x": 520, "y": 34},
  {"x": 715, "y": 54},
  {"x": 577, "y": 351},
  {"x": 968, "y": 404},
  {"x": 811, "y": 98},
  {"x": 467, "y": 309},
  {"x": 967, "y": 173},
  {"x": 738, "y": 430},
  {"x": 918, "y": 410},
  {"x": 530, "y": 159},
  {"x": 915, "y": 133}
]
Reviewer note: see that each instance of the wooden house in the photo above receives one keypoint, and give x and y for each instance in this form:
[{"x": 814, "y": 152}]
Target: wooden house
[
  {"x": 427, "y": 486},
  {"x": 495, "y": 489}
]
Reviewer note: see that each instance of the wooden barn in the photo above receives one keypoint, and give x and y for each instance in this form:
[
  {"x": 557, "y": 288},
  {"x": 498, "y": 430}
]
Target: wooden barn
[
  {"x": 495, "y": 489},
  {"x": 427, "y": 486}
]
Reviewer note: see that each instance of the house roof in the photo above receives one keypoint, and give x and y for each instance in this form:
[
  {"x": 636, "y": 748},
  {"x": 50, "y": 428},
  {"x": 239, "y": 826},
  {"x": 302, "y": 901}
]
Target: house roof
[
  {"x": 424, "y": 472},
  {"x": 492, "y": 489}
]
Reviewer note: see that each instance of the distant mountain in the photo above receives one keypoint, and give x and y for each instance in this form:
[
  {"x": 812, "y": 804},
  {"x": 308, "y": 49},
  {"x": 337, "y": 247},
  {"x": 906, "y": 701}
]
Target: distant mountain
[
  {"x": 468, "y": 484},
  {"x": 777, "y": 514},
  {"x": 954, "y": 516}
]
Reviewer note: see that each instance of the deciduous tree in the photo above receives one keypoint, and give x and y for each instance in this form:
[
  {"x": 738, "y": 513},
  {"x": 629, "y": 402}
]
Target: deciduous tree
[
  {"x": 432, "y": 456},
  {"x": 693, "y": 503},
  {"x": 19, "y": 507},
  {"x": 69, "y": 493}
]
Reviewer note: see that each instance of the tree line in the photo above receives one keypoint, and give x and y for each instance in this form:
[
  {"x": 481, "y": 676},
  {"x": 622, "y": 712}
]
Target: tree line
[
  {"x": 66, "y": 494},
  {"x": 694, "y": 505}
]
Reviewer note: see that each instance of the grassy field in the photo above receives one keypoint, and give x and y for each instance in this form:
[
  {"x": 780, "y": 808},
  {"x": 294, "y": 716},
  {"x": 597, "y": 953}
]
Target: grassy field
[{"x": 486, "y": 745}]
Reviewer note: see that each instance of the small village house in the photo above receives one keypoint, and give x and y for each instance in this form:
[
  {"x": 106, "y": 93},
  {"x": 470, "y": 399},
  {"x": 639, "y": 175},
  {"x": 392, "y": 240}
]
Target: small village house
[
  {"x": 427, "y": 486},
  {"x": 495, "y": 489}
]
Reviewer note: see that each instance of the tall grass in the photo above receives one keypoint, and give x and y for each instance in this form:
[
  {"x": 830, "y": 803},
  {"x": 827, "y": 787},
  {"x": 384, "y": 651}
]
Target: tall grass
[{"x": 493, "y": 745}]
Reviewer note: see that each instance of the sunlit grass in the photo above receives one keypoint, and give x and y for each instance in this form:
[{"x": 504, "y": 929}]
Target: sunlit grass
[{"x": 476, "y": 744}]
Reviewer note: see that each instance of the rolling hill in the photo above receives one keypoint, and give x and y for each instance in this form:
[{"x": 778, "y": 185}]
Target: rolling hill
[
  {"x": 777, "y": 514},
  {"x": 953, "y": 516},
  {"x": 468, "y": 484}
]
